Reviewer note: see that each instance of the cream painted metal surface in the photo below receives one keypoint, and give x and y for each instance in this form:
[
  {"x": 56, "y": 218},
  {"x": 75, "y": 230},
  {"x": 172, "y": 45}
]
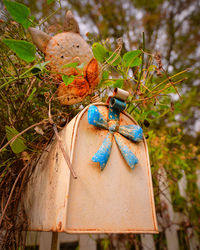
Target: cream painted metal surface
[{"x": 116, "y": 200}]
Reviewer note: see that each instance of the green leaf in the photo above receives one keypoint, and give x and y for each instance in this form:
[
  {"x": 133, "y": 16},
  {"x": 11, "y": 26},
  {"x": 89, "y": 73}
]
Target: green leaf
[
  {"x": 40, "y": 66},
  {"x": 113, "y": 58},
  {"x": 67, "y": 79},
  {"x": 107, "y": 83},
  {"x": 70, "y": 65},
  {"x": 25, "y": 50},
  {"x": 100, "y": 52},
  {"x": 105, "y": 75},
  {"x": 50, "y": 1},
  {"x": 31, "y": 95},
  {"x": 131, "y": 58},
  {"x": 170, "y": 90},
  {"x": 119, "y": 83},
  {"x": 19, "y": 12},
  {"x": 17, "y": 145}
]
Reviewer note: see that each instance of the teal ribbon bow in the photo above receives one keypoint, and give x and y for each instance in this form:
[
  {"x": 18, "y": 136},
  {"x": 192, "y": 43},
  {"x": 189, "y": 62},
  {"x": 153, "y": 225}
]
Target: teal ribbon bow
[{"x": 132, "y": 132}]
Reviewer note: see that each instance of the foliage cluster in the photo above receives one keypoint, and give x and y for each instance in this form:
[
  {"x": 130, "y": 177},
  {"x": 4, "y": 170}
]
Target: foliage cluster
[{"x": 26, "y": 88}]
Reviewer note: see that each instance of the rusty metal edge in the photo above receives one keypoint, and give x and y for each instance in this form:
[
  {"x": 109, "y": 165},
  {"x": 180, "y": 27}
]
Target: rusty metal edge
[
  {"x": 148, "y": 167},
  {"x": 87, "y": 231},
  {"x": 98, "y": 231}
]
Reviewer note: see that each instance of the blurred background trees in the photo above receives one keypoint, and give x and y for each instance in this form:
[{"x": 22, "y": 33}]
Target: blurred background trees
[{"x": 172, "y": 31}]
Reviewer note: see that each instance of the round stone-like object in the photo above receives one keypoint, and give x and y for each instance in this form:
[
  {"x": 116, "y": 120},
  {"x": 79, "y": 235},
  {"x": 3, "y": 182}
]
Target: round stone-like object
[{"x": 65, "y": 48}]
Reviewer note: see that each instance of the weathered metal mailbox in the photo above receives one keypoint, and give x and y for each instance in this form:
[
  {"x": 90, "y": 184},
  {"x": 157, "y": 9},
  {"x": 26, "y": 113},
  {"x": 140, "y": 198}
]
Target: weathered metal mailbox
[{"x": 118, "y": 199}]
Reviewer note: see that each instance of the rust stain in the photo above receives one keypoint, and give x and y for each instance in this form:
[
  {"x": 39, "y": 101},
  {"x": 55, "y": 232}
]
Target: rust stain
[
  {"x": 59, "y": 226},
  {"x": 65, "y": 48},
  {"x": 96, "y": 231},
  {"x": 111, "y": 231},
  {"x": 150, "y": 186},
  {"x": 81, "y": 86},
  {"x": 74, "y": 92},
  {"x": 92, "y": 74}
]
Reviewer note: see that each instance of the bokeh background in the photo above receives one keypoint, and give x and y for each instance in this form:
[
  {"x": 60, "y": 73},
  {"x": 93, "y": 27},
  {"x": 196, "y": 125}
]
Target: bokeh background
[{"x": 172, "y": 29}]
